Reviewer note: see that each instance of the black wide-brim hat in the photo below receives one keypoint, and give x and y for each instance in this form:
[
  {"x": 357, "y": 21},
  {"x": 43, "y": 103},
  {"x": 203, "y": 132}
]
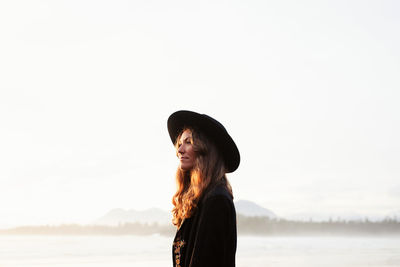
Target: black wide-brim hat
[{"x": 213, "y": 129}]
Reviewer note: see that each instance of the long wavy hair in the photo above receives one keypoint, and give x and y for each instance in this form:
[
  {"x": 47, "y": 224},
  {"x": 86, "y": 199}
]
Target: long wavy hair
[{"x": 208, "y": 171}]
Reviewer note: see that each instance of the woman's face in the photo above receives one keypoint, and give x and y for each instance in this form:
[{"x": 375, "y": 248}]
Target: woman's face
[{"x": 185, "y": 151}]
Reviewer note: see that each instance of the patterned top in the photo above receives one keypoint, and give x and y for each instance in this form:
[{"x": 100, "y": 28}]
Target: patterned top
[{"x": 178, "y": 245}]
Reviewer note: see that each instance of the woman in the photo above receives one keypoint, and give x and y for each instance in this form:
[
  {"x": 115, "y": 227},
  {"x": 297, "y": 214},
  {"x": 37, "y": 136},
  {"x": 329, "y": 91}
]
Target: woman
[{"x": 203, "y": 212}]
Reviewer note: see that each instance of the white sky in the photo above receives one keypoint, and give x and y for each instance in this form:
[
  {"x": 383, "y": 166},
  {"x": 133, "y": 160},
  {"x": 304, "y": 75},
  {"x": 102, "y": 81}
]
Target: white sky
[{"x": 309, "y": 90}]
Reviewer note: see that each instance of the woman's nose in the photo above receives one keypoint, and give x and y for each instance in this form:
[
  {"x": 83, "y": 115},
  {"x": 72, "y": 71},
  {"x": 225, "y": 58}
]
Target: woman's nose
[{"x": 181, "y": 149}]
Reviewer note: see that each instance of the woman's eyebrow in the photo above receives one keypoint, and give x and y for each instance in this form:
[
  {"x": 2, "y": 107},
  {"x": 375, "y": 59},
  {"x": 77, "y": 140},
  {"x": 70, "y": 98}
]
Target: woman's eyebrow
[{"x": 187, "y": 138}]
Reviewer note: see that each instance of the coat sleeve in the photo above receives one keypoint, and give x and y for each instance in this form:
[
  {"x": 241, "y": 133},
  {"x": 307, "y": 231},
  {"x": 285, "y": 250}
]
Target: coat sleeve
[{"x": 215, "y": 243}]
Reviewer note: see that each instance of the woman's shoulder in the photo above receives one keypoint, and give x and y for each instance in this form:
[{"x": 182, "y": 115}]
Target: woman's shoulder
[
  {"x": 219, "y": 192},
  {"x": 218, "y": 206}
]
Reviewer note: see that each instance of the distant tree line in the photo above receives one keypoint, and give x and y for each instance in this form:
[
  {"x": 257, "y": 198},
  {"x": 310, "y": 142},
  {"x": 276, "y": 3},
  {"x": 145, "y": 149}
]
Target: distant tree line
[
  {"x": 267, "y": 226},
  {"x": 76, "y": 229},
  {"x": 246, "y": 226}
]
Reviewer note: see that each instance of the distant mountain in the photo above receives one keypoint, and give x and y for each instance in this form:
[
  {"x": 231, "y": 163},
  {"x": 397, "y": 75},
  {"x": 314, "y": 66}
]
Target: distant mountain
[
  {"x": 251, "y": 209},
  {"x": 154, "y": 215},
  {"x": 243, "y": 207},
  {"x": 117, "y": 216}
]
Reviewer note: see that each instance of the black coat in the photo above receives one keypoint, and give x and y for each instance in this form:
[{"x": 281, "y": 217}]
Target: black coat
[{"x": 208, "y": 238}]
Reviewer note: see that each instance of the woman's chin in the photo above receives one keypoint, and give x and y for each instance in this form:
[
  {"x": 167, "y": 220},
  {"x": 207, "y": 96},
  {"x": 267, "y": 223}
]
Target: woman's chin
[{"x": 184, "y": 167}]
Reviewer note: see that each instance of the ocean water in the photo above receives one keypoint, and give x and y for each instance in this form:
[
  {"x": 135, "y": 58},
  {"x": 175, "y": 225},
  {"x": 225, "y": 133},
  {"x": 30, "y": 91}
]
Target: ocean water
[{"x": 151, "y": 251}]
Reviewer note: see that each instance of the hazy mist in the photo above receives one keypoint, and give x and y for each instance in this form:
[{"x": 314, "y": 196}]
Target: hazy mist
[{"x": 308, "y": 90}]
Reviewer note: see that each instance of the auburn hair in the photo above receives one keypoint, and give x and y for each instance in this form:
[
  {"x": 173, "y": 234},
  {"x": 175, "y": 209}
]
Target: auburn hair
[{"x": 207, "y": 172}]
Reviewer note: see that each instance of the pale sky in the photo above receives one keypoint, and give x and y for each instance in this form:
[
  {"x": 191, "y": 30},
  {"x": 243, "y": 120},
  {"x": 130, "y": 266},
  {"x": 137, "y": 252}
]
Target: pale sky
[{"x": 309, "y": 90}]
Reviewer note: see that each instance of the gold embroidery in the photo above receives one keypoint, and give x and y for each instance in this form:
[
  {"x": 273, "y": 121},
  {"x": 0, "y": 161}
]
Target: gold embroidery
[{"x": 177, "y": 250}]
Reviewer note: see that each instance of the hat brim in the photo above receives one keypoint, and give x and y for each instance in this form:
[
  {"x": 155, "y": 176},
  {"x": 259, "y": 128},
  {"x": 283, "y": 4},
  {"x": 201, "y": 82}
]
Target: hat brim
[{"x": 213, "y": 129}]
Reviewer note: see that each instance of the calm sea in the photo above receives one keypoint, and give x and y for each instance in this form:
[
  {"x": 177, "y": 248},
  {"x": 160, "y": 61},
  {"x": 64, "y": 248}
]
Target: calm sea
[{"x": 146, "y": 251}]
